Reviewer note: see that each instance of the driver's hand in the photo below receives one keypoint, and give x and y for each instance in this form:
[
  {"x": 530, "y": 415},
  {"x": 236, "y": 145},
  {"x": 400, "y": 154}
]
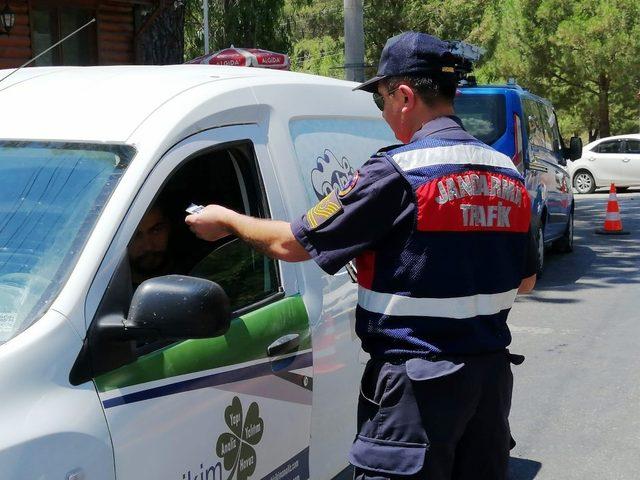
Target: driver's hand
[{"x": 210, "y": 223}]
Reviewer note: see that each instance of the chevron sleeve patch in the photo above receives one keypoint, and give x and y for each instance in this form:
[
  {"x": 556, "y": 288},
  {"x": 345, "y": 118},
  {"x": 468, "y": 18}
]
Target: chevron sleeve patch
[{"x": 324, "y": 210}]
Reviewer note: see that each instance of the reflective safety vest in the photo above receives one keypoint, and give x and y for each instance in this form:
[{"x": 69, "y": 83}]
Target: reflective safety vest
[{"x": 450, "y": 287}]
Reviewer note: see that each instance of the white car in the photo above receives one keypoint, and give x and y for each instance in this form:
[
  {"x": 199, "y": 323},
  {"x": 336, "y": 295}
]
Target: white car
[
  {"x": 255, "y": 376},
  {"x": 605, "y": 161}
]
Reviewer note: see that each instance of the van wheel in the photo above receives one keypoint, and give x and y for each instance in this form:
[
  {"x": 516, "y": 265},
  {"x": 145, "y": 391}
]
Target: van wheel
[
  {"x": 565, "y": 243},
  {"x": 540, "y": 245},
  {"x": 583, "y": 182}
]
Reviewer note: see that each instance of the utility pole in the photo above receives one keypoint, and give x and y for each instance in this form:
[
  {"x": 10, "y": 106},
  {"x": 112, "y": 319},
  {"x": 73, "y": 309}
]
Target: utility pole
[
  {"x": 205, "y": 14},
  {"x": 354, "y": 40}
]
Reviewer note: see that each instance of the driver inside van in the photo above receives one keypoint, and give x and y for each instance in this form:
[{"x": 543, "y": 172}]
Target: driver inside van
[
  {"x": 149, "y": 250},
  {"x": 155, "y": 250}
]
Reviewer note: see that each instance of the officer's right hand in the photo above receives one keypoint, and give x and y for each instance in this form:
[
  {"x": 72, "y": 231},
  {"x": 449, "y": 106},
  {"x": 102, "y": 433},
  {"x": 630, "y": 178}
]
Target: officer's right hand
[{"x": 211, "y": 223}]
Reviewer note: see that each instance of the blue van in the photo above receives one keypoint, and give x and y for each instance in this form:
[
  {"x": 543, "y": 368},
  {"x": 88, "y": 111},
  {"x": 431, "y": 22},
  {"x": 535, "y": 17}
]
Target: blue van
[{"x": 524, "y": 127}]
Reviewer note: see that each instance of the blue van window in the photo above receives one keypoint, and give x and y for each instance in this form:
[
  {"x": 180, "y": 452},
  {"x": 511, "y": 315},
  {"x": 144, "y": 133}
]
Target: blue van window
[
  {"x": 483, "y": 116},
  {"x": 535, "y": 124},
  {"x": 51, "y": 195}
]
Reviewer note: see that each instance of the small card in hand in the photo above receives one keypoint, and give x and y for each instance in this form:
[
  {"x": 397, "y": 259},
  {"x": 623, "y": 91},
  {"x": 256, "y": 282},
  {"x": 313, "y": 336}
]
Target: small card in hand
[{"x": 193, "y": 209}]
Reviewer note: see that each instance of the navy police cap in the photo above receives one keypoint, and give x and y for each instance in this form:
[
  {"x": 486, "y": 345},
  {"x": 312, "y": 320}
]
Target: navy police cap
[{"x": 412, "y": 53}]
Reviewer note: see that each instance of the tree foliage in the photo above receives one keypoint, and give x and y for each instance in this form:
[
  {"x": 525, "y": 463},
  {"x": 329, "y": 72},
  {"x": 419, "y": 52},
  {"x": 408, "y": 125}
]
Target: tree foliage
[
  {"x": 242, "y": 23},
  {"x": 317, "y": 31},
  {"x": 584, "y": 55}
]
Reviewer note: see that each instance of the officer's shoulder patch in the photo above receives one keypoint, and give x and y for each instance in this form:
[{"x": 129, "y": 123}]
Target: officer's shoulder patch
[
  {"x": 350, "y": 185},
  {"x": 324, "y": 210}
]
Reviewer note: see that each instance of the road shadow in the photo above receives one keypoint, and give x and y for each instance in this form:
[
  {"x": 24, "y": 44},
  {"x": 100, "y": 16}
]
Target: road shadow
[
  {"x": 519, "y": 469},
  {"x": 523, "y": 469},
  {"x": 598, "y": 261}
]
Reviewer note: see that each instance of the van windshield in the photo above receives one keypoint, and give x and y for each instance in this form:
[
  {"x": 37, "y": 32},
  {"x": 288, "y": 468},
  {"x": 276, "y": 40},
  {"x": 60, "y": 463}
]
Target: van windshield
[
  {"x": 483, "y": 116},
  {"x": 51, "y": 195}
]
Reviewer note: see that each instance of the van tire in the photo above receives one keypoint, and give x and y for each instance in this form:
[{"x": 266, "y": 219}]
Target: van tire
[
  {"x": 565, "y": 243},
  {"x": 584, "y": 182},
  {"x": 540, "y": 247}
]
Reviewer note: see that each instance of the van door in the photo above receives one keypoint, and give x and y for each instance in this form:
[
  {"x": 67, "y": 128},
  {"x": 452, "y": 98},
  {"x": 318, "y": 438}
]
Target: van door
[
  {"x": 561, "y": 210},
  {"x": 228, "y": 407},
  {"x": 550, "y": 180}
]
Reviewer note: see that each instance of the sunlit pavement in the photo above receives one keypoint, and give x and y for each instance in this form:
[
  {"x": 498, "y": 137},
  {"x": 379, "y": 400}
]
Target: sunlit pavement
[{"x": 576, "y": 405}]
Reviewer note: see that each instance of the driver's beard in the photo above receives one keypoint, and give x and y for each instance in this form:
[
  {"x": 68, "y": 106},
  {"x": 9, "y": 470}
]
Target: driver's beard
[{"x": 150, "y": 264}]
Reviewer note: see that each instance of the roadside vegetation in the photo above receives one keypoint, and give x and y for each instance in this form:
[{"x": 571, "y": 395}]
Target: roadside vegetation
[{"x": 582, "y": 55}]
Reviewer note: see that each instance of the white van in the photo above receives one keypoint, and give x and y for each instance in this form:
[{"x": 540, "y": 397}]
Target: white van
[{"x": 172, "y": 386}]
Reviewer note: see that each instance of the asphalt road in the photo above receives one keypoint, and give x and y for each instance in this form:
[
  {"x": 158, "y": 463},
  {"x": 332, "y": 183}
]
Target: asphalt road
[{"x": 576, "y": 404}]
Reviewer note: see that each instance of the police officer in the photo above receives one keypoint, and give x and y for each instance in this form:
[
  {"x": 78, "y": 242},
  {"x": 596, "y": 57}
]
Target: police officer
[{"x": 440, "y": 231}]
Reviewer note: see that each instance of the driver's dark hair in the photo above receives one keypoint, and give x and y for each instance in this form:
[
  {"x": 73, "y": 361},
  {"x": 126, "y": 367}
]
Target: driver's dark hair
[{"x": 434, "y": 89}]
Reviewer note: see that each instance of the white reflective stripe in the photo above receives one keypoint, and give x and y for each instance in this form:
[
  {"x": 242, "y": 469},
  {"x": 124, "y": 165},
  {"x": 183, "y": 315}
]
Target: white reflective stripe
[
  {"x": 613, "y": 216},
  {"x": 456, "y": 307},
  {"x": 453, "y": 155}
]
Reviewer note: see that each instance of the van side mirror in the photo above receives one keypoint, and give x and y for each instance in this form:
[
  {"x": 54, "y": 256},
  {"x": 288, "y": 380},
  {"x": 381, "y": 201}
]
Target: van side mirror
[
  {"x": 574, "y": 151},
  {"x": 177, "y": 307},
  {"x": 169, "y": 308}
]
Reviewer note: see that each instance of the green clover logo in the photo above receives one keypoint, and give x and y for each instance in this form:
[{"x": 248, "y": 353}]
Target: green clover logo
[{"x": 236, "y": 447}]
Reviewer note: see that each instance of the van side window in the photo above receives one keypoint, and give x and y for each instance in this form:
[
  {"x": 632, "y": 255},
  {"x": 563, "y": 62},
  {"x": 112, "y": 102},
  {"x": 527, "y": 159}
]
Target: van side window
[
  {"x": 554, "y": 131},
  {"x": 535, "y": 124},
  {"x": 545, "y": 122},
  {"x": 164, "y": 245},
  {"x": 330, "y": 150}
]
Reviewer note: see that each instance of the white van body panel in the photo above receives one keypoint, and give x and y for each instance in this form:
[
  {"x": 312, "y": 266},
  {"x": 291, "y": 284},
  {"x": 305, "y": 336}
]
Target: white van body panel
[
  {"x": 338, "y": 358},
  {"x": 50, "y": 429},
  {"x": 156, "y": 109}
]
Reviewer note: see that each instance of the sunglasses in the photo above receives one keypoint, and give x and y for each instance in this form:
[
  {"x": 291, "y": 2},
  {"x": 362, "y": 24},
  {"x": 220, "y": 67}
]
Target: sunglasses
[{"x": 379, "y": 99}]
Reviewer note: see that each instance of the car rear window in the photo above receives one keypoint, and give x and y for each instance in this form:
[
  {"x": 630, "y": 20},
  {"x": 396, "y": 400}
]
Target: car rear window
[
  {"x": 613, "y": 146},
  {"x": 633, "y": 146},
  {"x": 482, "y": 115}
]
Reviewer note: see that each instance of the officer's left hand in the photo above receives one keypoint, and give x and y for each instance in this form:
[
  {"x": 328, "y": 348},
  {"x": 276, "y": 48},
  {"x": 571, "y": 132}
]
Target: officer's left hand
[{"x": 211, "y": 223}]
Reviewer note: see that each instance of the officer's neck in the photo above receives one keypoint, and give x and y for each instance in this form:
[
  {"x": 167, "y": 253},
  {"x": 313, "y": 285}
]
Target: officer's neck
[{"x": 431, "y": 112}]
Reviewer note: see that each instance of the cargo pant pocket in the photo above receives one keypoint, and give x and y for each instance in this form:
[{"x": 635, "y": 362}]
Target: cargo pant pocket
[
  {"x": 392, "y": 439},
  {"x": 387, "y": 457}
]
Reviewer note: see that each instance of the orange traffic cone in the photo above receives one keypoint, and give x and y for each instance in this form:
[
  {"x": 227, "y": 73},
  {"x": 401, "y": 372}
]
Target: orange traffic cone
[{"x": 612, "y": 222}]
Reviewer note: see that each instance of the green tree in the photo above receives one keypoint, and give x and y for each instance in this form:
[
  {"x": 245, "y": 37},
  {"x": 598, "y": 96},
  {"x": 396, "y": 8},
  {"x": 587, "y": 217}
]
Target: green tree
[
  {"x": 242, "y": 23},
  {"x": 317, "y": 36},
  {"x": 452, "y": 19},
  {"x": 584, "y": 56}
]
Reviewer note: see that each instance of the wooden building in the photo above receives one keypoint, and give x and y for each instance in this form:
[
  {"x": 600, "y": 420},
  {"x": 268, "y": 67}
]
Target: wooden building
[{"x": 115, "y": 38}]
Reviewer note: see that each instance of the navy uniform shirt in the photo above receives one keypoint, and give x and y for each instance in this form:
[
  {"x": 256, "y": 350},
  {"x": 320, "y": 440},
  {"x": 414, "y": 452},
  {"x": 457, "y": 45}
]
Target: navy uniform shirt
[
  {"x": 380, "y": 201},
  {"x": 377, "y": 210}
]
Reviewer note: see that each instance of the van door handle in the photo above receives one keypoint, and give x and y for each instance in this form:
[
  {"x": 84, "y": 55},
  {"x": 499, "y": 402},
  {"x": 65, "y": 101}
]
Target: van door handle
[
  {"x": 285, "y": 344},
  {"x": 625, "y": 160}
]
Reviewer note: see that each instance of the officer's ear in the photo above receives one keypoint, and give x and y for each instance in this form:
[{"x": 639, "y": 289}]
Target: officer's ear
[{"x": 409, "y": 97}]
